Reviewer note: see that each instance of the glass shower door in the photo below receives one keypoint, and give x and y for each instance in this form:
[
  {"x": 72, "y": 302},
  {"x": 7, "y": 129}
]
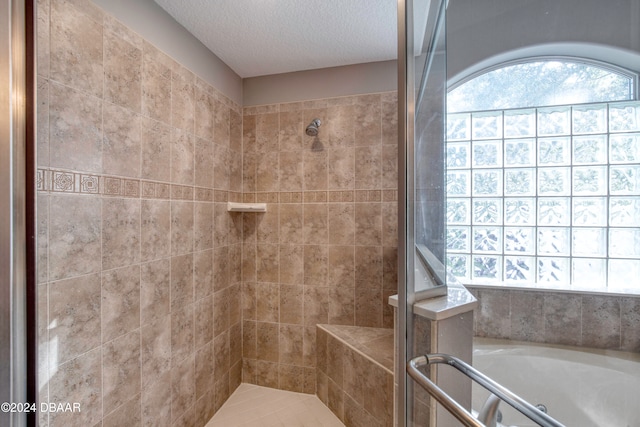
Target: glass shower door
[
  {"x": 421, "y": 97},
  {"x": 506, "y": 188}
]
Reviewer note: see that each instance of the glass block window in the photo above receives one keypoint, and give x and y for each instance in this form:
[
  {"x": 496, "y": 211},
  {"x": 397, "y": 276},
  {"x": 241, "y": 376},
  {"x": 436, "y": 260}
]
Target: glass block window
[{"x": 545, "y": 197}]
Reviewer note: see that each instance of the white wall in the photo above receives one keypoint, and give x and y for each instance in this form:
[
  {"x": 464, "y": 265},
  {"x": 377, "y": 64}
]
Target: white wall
[
  {"x": 154, "y": 24},
  {"x": 322, "y": 83},
  {"x": 480, "y": 33}
]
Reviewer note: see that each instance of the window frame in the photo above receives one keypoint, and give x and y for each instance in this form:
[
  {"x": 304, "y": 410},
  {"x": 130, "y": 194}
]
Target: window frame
[
  {"x": 633, "y": 75},
  {"x": 634, "y": 96}
]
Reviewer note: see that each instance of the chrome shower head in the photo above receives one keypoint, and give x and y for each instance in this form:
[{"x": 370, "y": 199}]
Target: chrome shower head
[{"x": 312, "y": 129}]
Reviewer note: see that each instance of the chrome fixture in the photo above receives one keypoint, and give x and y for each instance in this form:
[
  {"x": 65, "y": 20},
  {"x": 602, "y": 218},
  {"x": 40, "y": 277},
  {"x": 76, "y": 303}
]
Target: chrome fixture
[
  {"x": 312, "y": 129},
  {"x": 541, "y": 407},
  {"x": 490, "y": 414},
  {"x": 459, "y": 411}
]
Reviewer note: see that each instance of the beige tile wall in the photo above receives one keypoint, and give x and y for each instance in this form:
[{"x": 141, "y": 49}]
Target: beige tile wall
[
  {"x": 139, "y": 262},
  {"x": 586, "y": 320},
  {"x": 325, "y": 252}
]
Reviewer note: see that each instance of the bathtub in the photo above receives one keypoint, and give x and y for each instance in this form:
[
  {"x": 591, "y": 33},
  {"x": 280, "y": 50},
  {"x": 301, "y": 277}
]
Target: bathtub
[{"x": 579, "y": 387}]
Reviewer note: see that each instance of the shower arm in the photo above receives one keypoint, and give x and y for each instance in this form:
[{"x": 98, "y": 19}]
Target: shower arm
[{"x": 455, "y": 408}]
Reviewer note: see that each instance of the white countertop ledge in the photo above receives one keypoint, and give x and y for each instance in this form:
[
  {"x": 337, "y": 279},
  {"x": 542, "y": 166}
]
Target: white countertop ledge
[{"x": 457, "y": 301}]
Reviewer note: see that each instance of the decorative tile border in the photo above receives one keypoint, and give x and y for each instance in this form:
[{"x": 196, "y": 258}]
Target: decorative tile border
[
  {"x": 341, "y": 196},
  {"x": 368, "y": 196},
  {"x": 267, "y": 197},
  {"x": 68, "y": 182},
  {"x": 315, "y": 197},
  {"x": 203, "y": 194},
  {"x": 63, "y": 182},
  {"x": 120, "y": 187},
  {"x": 181, "y": 192},
  {"x": 220, "y": 196},
  {"x": 389, "y": 195},
  {"x": 162, "y": 190},
  {"x": 60, "y": 181},
  {"x": 291, "y": 197},
  {"x": 345, "y": 196},
  {"x": 40, "y": 180}
]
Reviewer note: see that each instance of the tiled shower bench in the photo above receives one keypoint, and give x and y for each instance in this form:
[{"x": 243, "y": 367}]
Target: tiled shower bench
[{"x": 355, "y": 374}]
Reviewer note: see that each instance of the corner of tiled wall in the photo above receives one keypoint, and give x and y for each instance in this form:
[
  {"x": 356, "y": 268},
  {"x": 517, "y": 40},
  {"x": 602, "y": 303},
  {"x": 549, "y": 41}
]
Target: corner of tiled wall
[
  {"x": 325, "y": 252},
  {"x": 138, "y": 261}
]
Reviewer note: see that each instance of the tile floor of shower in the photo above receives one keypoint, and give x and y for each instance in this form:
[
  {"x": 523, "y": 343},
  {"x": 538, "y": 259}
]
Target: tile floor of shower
[{"x": 256, "y": 406}]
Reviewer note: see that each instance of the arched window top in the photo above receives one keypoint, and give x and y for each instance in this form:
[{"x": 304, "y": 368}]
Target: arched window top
[{"x": 542, "y": 82}]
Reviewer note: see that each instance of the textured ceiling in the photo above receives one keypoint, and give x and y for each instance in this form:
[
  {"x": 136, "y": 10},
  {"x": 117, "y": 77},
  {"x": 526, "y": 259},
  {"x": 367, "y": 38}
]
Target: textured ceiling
[{"x": 261, "y": 37}]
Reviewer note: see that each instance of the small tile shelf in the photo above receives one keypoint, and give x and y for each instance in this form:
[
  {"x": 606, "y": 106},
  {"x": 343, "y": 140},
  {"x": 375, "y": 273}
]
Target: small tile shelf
[{"x": 246, "y": 207}]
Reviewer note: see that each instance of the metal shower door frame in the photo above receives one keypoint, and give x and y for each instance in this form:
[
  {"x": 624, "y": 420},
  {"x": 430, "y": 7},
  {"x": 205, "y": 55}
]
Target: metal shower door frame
[
  {"x": 17, "y": 211},
  {"x": 406, "y": 240},
  {"x": 407, "y": 96}
]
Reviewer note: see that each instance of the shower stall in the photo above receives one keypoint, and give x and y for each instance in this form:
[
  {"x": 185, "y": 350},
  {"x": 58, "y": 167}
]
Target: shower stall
[{"x": 151, "y": 301}]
